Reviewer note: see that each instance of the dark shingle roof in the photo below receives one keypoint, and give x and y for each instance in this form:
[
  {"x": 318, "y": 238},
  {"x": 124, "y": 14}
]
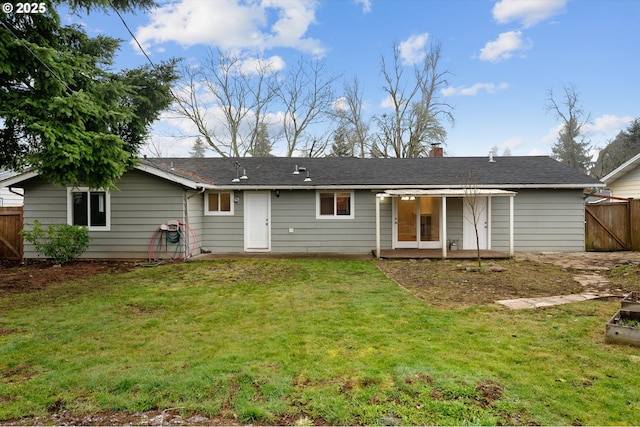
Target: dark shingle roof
[{"x": 431, "y": 172}]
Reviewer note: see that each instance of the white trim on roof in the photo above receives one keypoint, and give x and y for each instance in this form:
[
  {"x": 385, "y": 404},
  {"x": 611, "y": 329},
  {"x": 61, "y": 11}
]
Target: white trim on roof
[
  {"x": 20, "y": 177},
  {"x": 382, "y": 187},
  {"x": 17, "y": 178},
  {"x": 621, "y": 170}
]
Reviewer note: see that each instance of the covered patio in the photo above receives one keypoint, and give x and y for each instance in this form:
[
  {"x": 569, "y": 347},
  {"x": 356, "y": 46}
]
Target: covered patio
[
  {"x": 439, "y": 248},
  {"x": 437, "y": 254}
]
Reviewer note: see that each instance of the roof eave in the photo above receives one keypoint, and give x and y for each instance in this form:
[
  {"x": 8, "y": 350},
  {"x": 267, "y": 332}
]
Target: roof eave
[
  {"x": 621, "y": 170},
  {"x": 376, "y": 187},
  {"x": 17, "y": 179}
]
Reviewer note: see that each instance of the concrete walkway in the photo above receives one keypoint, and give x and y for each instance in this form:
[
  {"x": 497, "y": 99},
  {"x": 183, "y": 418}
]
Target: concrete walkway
[{"x": 522, "y": 303}]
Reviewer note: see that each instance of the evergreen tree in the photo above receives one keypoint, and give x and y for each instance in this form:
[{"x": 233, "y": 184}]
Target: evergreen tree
[
  {"x": 571, "y": 148},
  {"x": 62, "y": 111},
  {"x": 262, "y": 145},
  {"x": 198, "y": 149},
  {"x": 622, "y": 148},
  {"x": 341, "y": 146}
]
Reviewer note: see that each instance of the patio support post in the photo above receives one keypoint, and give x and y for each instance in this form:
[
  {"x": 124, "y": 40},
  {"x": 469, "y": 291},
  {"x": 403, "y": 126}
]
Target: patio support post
[
  {"x": 377, "y": 226},
  {"x": 511, "y": 221},
  {"x": 444, "y": 227}
]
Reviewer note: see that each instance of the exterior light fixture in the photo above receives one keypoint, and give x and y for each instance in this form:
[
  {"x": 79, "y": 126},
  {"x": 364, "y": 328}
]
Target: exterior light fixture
[
  {"x": 236, "y": 179},
  {"x": 308, "y": 178}
]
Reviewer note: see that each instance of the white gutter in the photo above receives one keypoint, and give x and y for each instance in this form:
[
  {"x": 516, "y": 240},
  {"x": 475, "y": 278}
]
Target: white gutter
[{"x": 378, "y": 187}]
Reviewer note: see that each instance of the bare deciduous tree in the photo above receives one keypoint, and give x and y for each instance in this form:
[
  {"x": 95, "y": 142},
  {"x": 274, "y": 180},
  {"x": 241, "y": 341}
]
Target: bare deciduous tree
[
  {"x": 307, "y": 95},
  {"x": 227, "y": 100},
  {"x": 351, "y": 122},
  {"x": 416, "y": 119},
  {"x": 477, "y": 207}
]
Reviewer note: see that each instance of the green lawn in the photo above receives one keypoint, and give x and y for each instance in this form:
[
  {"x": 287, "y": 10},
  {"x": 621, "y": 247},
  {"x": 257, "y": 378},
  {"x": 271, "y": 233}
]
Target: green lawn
[{"x": 313, "y": 341}]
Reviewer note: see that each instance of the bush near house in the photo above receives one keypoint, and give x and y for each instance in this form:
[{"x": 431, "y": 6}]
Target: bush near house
[{"x": 61, "y": 242}]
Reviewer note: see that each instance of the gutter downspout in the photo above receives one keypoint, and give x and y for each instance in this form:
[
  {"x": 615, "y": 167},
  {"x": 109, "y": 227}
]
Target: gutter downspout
[
  {"x": 186, "y": 208},
  {"x": 11, "y": 190}
]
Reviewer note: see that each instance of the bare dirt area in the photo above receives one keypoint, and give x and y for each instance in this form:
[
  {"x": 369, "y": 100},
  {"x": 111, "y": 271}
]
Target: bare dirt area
[
  {"x": 461, "y": 284},
  {"x": 34, "y": 275}
]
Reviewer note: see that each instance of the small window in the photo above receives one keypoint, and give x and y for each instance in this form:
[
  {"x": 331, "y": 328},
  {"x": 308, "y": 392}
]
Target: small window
[
  {"x": 218, "y": 203},
  {"x": 90, "y": 208},
  {"x": 334, "y": 205}
]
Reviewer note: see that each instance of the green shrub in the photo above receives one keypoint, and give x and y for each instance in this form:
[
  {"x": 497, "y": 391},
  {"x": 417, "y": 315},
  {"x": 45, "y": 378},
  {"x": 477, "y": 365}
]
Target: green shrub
[{"x": 61, "y": 242}]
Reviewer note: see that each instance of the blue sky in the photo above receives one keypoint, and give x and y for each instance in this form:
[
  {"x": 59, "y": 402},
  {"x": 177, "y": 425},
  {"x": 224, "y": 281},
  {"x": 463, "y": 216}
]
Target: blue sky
[{"x": 504, "y": 56}]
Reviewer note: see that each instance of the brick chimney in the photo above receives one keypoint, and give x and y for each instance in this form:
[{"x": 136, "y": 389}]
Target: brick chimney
[{"x": 436, "y": 151}]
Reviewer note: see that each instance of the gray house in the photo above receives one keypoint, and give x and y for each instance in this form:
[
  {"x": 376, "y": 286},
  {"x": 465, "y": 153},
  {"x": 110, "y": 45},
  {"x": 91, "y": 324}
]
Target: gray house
[{"x": 321, "y": 205}]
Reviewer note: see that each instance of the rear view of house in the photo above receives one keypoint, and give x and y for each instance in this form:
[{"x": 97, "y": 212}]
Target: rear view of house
[{"x": 322, "y": 205}]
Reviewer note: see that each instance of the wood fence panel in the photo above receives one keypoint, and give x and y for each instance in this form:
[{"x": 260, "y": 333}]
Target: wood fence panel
[
  {"x": 634, "y": 224},
  {"x": 608, "y": 227},
  {"x": 10, "y": 238}
]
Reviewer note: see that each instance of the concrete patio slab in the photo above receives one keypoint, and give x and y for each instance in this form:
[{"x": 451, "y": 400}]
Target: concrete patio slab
[{"x": 524, "y": 303}]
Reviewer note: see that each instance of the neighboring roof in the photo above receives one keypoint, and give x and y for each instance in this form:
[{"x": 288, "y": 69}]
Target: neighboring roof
[
  {"x": 509, "y": 172},
  {"x": 431, "y": 172},
  {"x": 617, "y": 173}
]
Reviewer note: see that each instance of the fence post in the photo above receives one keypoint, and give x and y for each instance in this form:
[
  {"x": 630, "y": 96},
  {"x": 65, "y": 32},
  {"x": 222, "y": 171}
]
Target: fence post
[{"x": 634, "y": 223}]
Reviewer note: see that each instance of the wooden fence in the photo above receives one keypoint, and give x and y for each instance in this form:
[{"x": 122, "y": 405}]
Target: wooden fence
[
  {"x": 613, "y": 226},
  {"x": 10, "y": 238}
]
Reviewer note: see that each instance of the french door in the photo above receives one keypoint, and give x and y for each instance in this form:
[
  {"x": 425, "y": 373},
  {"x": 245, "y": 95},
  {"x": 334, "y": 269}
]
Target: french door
[{"x": 417, "y": 222}]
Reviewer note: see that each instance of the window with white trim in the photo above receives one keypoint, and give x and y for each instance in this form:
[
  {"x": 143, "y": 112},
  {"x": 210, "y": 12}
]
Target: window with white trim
[
  {"x": 334, "y": 205},
  {"x": 90, "y": 208},
  {"x": 218, "y": 203}
]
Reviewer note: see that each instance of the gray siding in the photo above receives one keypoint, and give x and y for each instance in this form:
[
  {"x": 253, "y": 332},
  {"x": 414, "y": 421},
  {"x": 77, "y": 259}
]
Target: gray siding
[
  {"x": 138, "y": 207},
  {"x": 544, "y": 220},
  {"x": 296, "y": 210},
  {"x": 224, "y": 233}
]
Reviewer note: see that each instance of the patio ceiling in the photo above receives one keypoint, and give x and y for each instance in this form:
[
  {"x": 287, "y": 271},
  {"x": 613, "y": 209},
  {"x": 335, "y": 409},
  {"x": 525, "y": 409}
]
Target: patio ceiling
[{"x": 455, "y": 192}]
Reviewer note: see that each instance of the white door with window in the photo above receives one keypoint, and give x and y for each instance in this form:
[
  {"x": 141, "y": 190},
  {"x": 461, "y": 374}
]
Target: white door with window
[
  {"x": 257, "y": 221},
  {"x": 475, "y": 208}
]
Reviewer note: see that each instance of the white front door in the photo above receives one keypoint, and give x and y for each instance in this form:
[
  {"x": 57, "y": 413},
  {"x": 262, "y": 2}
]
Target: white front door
[
  {"x": 475, "y": 213},
  {"x": 257, "y": 221}
]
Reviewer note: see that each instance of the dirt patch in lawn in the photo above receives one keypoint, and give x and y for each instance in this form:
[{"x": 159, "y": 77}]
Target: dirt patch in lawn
[
  {"x": 36, "y": 275},
  {"x": 458, "y": 284},
  {"x": 461, "y": 284}
]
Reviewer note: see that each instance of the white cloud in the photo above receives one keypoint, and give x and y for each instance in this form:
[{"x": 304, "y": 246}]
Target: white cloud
[
  {"x": 253, "y": 65},
  {"x": 513, "y": 143},
  {"x": 606, "y": 124},
  {"x": 414, "y": 49},
  {"x": 366, "y": 5},
  {"x": 233, "y": 24},
  {"x": 474, "y": 90},
  {"x": 528, "y": 12},
  {"x": 341, "y": 105},
  {"x": 552, "y": 135},
  {"x": 503, "y": 47},
  {"x": 387, "y": 102}
]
